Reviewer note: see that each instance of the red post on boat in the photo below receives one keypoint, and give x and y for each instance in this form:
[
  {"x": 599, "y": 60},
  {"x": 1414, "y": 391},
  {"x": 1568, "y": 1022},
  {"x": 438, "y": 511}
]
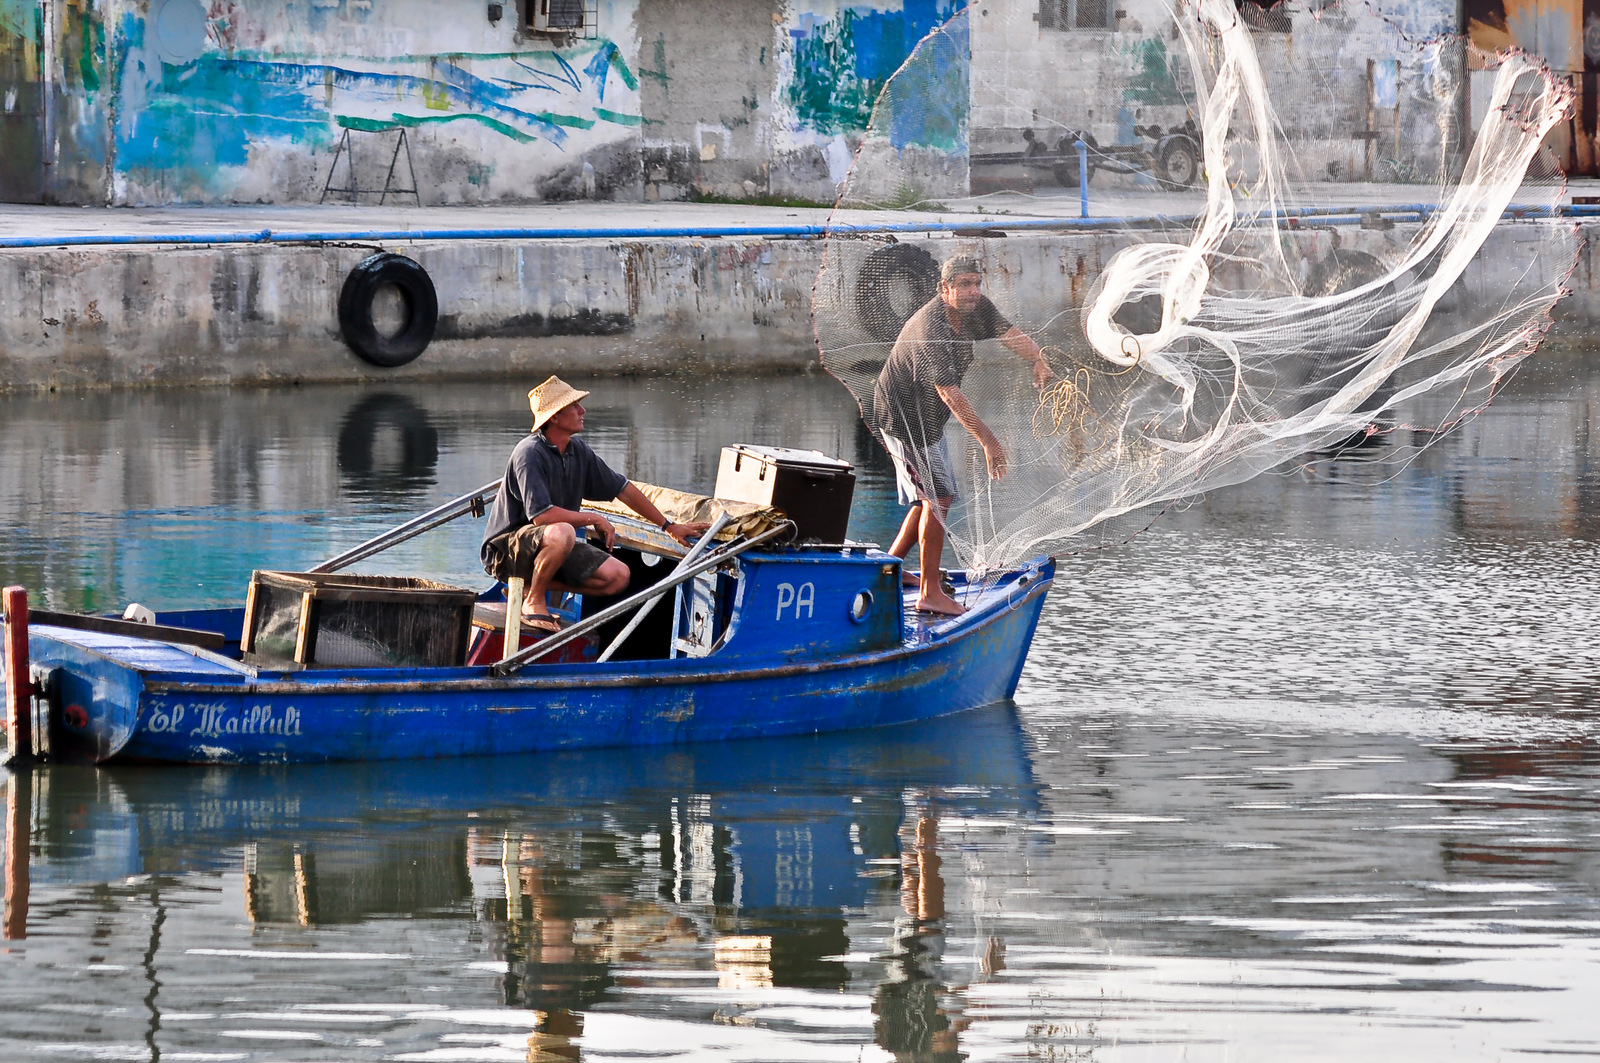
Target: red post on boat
[
  {"x": 19, "y": 827},
  {"x": 19, "y": 685}
]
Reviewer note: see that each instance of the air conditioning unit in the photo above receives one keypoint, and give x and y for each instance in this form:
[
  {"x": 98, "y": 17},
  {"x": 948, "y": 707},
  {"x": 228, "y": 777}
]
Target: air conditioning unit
[{"x": 556, "y": 16}]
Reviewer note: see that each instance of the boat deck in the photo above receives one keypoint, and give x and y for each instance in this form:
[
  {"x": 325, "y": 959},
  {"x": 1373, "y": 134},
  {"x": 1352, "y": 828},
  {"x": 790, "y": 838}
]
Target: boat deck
[
  {"x": 154, "y": 657},
  {"x": 145, "y": 655}
]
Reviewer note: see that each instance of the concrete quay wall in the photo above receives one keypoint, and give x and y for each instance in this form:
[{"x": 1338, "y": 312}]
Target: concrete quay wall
[
  {"x": 161, "y": 315},
  {"x": 246, "y": 313}
]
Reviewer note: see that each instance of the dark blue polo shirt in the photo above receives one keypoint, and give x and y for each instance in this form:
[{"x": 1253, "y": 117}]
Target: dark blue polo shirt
[{"x": 539, "y": 476}]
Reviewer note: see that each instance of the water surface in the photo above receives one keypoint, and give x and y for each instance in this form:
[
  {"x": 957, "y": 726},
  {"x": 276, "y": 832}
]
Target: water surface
[{"x": 1309, "y": 770}]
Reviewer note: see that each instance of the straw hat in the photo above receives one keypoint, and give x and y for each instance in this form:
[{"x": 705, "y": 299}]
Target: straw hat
[{"x": 550, "y": 398}]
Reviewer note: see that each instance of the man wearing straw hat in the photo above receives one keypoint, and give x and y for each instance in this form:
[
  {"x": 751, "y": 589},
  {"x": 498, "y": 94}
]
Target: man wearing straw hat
[{"x": 533, "y": 527}]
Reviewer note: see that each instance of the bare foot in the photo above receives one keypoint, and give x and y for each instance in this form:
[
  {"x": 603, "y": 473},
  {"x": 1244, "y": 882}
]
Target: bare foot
[
  {"x": 935, "y": 600},
  {"x": 910, "y": 579}
]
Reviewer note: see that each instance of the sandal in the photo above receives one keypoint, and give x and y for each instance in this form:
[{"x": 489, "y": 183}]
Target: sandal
[{"x": 544, "y": 622}]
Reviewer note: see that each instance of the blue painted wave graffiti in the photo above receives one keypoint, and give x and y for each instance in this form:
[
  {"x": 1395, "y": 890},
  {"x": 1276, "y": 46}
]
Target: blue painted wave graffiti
[{"x": 209, "y": 112}]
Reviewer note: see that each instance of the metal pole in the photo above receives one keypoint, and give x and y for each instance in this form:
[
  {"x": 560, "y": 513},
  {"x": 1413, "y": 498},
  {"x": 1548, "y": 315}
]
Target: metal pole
[
  {"x": 49, "y": 83},
  {"x": 644, "y": 610},
  {"x": 611, "y": 612},
  {"x": 471, "y": 502},
  {"x": 19, "y": 684},
  {"x": 1083, "y": 177}
]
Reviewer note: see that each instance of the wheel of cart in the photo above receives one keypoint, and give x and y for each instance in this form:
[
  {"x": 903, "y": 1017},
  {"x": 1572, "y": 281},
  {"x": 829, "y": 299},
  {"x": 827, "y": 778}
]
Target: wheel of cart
[
  {"x": 1177, "y": 161},
  {"x": 1066, "y": 171}
]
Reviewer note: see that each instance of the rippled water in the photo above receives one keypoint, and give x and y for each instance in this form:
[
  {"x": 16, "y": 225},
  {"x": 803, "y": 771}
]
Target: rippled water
[{"x": 1307, "y": 771}]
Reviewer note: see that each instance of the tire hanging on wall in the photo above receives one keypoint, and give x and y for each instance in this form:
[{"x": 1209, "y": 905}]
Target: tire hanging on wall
[
  {"x": 421, "y": 304},
  {"x": 894, "y": 283}
]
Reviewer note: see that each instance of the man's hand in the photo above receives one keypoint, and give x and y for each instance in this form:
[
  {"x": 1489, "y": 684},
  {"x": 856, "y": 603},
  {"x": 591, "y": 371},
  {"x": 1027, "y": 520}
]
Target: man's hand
[
  {"x": 995, "y": 455},
  {"x": 962, "y": 410},
  {"x": 1022, "y": 345},
  {"x": 1042, "y": 374},
  {"x": 681, "y": 532},
  {"x": 605, "y": 528}
]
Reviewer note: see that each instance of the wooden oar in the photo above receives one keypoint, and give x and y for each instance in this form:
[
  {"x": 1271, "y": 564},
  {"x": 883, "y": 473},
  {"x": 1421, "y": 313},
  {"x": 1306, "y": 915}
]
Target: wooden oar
[
  {"x": 471, "y": 502},
  {"x": 210, "y": 640}
]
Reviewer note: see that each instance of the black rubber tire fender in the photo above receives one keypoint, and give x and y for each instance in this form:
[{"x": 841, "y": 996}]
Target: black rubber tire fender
[
  {"x": 1341, "y": 271},
  {"x": 895, "y": 282},
  {"x": 421, "y": 303}
]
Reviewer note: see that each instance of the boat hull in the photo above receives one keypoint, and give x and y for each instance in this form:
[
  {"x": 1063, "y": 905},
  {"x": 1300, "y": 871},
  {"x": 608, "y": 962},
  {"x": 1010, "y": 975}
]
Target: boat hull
[{"x": 308, "y": 717}]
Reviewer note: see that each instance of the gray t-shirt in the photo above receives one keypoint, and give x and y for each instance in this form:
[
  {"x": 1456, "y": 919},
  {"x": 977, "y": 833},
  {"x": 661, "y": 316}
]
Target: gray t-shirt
[
  {"x": 539, "y": 476},
  {"x": 928, "y": 355}
]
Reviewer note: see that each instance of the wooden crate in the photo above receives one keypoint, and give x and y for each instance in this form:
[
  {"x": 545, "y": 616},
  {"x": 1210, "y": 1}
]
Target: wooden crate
[{"x": 336, "y": 620}]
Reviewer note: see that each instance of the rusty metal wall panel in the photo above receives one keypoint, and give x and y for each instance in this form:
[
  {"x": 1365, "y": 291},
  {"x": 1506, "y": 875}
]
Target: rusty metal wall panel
[{"x": 1551, "y": 28}]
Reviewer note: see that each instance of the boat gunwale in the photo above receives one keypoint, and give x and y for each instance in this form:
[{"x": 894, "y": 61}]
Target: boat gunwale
[{"x": 522, "y": 681}]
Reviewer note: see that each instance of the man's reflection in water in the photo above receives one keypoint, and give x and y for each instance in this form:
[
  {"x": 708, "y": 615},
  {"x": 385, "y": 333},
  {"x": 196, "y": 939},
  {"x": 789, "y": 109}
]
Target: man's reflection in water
[
  {"x": 557, "y": 1038},
  {"x": 913, "y": 1022},
  {"x": 562, "y": 936},
  {"x": 547, "y": 968}
]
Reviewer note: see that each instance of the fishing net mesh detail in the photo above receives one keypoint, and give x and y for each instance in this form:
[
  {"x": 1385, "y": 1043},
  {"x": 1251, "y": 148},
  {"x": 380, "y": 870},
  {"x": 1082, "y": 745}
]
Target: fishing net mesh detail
[{"x": 1187, "y": 358}]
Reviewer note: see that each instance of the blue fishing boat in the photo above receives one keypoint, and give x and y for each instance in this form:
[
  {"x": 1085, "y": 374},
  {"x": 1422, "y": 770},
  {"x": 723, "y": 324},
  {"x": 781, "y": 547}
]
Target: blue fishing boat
[{"x": 763, "y": 639}]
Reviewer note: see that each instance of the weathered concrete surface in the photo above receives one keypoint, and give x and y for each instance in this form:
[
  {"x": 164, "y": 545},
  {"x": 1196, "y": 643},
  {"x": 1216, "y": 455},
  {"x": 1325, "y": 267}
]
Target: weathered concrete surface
[
  {"x": 135, "y": 102},
  {"x": 130, "y": 316},
  {"x": 179, "y": 315},
  {"x": 1364, "y": 89},
  {"x": 139, "y": 102}
]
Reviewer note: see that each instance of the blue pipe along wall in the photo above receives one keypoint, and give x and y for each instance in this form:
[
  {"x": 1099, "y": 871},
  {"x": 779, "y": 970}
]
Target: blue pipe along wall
[{"x": 1325, "y": 215}]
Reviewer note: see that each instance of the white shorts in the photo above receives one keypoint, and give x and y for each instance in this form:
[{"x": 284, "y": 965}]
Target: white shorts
[{"x": 921, "y": 474}]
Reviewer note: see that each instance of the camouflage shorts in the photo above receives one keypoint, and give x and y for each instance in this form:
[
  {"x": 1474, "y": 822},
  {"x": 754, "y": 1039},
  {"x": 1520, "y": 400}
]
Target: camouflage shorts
[{"x": 512, "y": 554}]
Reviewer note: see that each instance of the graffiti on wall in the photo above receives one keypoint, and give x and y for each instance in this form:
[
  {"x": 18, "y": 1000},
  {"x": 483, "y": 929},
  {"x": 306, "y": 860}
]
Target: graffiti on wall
[
  {"x": 926, "y": 103},
  {"x": 201, "y": 89},
  {"x": 1420, "y": 19},
  {"x": 50, "y": 91},
  {"x": 844, "y": 58},
  {"x": 1153, "y": 80}
]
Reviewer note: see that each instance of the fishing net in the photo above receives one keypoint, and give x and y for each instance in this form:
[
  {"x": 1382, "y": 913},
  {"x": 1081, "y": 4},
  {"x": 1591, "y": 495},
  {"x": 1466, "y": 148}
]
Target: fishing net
[{"x": 1188, "y": 356}]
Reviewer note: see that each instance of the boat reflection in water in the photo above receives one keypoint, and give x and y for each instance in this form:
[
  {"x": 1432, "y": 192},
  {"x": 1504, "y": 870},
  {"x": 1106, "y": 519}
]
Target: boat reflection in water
[{"x": 689, "y": 884}]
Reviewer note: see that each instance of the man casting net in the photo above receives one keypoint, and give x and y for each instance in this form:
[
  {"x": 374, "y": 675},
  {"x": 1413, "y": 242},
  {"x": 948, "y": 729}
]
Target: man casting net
[{"x": 1179, "y": 358}]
